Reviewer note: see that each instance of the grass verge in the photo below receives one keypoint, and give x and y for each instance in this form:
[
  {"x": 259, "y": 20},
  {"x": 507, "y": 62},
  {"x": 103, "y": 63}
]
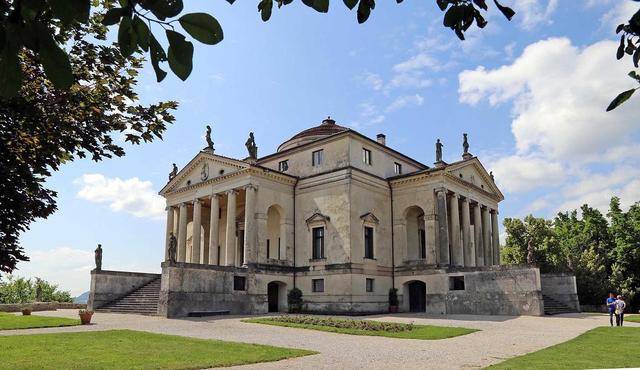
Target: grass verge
[
  {"x": 128, "y": 349},
  {"x": 603, "y": 347},
  {"x": 424, "y": 332},
  {"x": 11, "y": 321},
  {"x": 632, "y": 318}
]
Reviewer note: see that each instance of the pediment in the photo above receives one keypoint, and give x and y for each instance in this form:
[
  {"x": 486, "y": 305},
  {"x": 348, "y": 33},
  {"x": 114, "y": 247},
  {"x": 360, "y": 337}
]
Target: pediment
[
  {"x": 317, "y": 217},
  {"x": 203, "y": 167},
  {"x": 369, "y": 218},
  {"x": 473, "y": 172}
]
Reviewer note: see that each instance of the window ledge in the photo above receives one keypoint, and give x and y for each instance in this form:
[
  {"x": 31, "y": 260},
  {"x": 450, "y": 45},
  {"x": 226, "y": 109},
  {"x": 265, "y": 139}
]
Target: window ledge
[{"x": 318, "y": 259}]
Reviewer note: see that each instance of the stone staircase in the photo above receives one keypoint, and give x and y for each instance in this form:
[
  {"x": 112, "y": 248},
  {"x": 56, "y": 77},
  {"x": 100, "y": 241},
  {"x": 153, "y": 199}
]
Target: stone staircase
[
  {"x": 143, "y": 300},
  {"x": 554, "y": 307}
]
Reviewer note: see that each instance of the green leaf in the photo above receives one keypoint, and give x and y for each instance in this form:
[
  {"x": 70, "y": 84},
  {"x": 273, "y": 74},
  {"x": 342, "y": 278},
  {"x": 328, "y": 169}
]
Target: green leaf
[
  {"x": 163, "y": 9},
  {"x": 505, "y": 10},
  {"x": 265, "y": 7},
  {"x": 127, "y": 39},
  {"x": 621, "y": 98},
  {"x": 620, "y": 52},
  {"x": 55, "y": 61},
  {"x": 142, "y": 32},
  {"x": 157, "y": 55},
  {"x": 321, "y": 6},
  {"x": 202, "y": 27},
  {"x": 180, "y": 54},
  {"x": 350, "y": 3},
  {"x": 10, "y": 73},
  {"x": 71, "y": 10},
  {"x": 364, "y": 10},
  {"x": 112, "y": 16}
]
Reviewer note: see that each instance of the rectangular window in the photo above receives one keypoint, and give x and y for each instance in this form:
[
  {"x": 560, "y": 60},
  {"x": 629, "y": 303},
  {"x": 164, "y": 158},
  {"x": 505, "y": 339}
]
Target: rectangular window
[
  {"x": 268, "y": 248},
  {"x": 397, "y": 168},
  {"x": 219, "y": 212},
  {"x": 456, "y": 282},
  {"x": 318, "y": 242},
  {"x": 317, "y": 285},
  {"x": 423, "y": 244},
  {"x": 283, "y": 166},
  {"x": 239, "y": 283},
  {"x": 369, "y": 285},
  {"x": 317, "y": 157},
  {"x": 366, "y": 156},
  {"x": 279, "y": 256},
  {"x": 368, "y": 242}
]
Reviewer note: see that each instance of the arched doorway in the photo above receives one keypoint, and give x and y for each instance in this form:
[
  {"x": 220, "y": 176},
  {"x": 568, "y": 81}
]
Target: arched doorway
[
  {"x": 276, "y": 296},
  {"x": 416, "y": 248},
  {"x": 417, "y": 291}
]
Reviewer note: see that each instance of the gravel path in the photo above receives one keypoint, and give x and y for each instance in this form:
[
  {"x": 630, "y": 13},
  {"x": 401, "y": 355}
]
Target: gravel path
[{"x": 500, "y": 337}]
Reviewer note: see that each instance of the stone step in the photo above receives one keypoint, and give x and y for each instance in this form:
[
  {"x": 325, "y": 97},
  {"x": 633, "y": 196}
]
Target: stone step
[{"x": 143, "y": 300}]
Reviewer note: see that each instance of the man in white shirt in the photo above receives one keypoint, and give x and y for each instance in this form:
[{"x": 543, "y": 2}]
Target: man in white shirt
[{"x": 620, "y": 306}]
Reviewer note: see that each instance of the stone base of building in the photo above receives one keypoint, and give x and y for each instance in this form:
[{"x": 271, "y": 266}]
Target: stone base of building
[{"x": 195, "y": 289}]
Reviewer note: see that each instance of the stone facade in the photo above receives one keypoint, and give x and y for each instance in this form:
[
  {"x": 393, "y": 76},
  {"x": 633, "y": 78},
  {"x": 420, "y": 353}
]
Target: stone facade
[{"x": 344, "y": 218}]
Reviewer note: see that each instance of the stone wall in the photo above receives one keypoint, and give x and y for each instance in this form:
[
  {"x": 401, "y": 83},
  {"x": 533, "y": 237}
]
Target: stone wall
[
  {"x": 496, "y": 290},
  {"x": 107, "y": 286},
  {"x": 41, "y": 306},
  {"x": 562, "y": 288}
]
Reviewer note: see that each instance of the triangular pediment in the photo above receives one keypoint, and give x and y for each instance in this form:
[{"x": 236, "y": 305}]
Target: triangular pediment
[
  {"x": 203, "y": 167},
  {"x": 317, "y": 217},
  {"x": 471, "y": 171},
  {"x": 369, "y": 218}
]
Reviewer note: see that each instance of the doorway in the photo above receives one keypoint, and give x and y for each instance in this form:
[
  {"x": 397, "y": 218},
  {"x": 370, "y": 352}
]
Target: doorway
[
  {"x": 417, "y": 296},
  {"x": 272, "y": 296}
]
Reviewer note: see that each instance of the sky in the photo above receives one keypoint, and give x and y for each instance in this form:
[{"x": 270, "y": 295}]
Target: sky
[{"x": 530, "y": 93}]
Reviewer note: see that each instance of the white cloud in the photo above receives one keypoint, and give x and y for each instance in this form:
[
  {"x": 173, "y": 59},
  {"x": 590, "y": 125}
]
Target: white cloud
[
  {"x": 372, "y": 80},
  {"x": 368, "y": 115},
  {"x": 621, "y": 13},
  {"x": 559, "y": 94},
  {"x": 523, "y": 173},
  {"x": 417, "y": 62},
  {"x": 414, "y": 79},
  {"x": 132, "y": 196},
  {"x": 404, "y": 101},
  {"x": 531, "y": 13},
  {"x": 67, "y": 267}
]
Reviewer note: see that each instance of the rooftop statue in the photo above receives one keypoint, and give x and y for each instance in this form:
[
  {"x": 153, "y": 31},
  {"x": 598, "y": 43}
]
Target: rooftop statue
[
  {"x": 98, "y": 257},
  {"x": 174, "y": 172},
  {"x": 251, "y": 146},
  {"x": 465, "y": 144},
  {"x": 209, "y": 141},
  {"x": 438, "y": 151}
]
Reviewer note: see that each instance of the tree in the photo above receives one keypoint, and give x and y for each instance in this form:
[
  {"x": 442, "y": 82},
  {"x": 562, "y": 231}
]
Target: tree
[
  {"x": 539, "y": 232},
  {"x": 21, "y": 290},
  {"x": 44, "y": 127},
  {"x": 30, "y": 24}
]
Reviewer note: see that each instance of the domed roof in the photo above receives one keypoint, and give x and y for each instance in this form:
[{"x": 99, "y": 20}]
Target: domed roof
[{"x": 326, "y": 128}]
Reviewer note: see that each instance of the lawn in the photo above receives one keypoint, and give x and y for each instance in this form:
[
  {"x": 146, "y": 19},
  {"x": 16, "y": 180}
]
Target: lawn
[
  {"x": 632, "y": 318},
  {"x": 364, "y": 327},
  {"x": 603, "y": 347},
  {"x": 128, "y": 349},
  {"x": 11, "y": 321}
]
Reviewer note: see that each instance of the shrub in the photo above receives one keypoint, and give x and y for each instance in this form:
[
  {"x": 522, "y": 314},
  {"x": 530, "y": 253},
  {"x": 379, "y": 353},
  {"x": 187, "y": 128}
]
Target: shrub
[
  {"x": 21, "y": 290},
  {"x": 294, "y": 299},
  {"x": 345, "y": 323},
  {"x": 393, "y": 297}
]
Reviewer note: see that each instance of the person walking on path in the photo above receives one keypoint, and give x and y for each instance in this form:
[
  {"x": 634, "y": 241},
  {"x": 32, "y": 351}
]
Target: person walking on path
[
  {"x": 620, "y": 306},
  {"x": 611, "y": 307}
]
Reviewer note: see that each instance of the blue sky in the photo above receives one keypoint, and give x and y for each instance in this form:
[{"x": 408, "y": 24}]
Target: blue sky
[{"x": 531, "y": 94}]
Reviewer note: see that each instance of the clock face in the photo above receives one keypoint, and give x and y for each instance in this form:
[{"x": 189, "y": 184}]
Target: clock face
[{"x": 204, "y": 174}]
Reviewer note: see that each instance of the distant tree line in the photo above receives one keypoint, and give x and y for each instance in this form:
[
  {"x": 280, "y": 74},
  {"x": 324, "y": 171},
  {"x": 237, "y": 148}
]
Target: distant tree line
[
  {"x": 21, "y": 290},
  {"x": 602, "y": 251}
]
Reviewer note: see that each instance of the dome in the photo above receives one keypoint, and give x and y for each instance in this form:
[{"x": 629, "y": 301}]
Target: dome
[{"x": 326, "y": 128}]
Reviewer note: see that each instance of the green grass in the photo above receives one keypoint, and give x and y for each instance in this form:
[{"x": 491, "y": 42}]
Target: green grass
[
  {"x": 128, "y": 349},
  {"x": 11, "y": 321},
  {"x": 603, "y": 347},
  {"x": 425, "y": 332},
  {"x": 632, "y": 318}
]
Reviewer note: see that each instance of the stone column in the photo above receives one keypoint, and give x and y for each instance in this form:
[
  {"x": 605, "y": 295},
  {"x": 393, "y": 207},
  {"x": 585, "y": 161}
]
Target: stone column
[
  {"x": 284, "y": 229},
  {"x": 495, "y": 237},
  {"x": 197, "y": 226},
  {"x": 182, "y": 233},
  {"x": 486, "y": 237},
  {"x": 214, "y": 237},
  {"x": 250, "y": 224},
  {"x": 443, "y": 226},
  {"x": 230, "y": 242},
  {"x": 469, "y": 252},
  {"x": 477, "y": 235},
  {"x": 170, "y": 229},
  {"x": 457, "y": 256},
  {"x": 430, "y": 238}
]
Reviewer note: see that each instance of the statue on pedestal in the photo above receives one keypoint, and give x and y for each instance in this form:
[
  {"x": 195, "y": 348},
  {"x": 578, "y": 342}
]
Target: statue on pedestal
[
  {"x": 173, "y": 243},
  {"x": 174, "y": 172},
  {"x": 491, "y": 175},
  {"x": 438, "y": 151},
  {"x": 251, "y": 146},
  {"x": 465, "y": 144},
  {"x": 209, "y": 141},
  {"x": 530, "y": 257},
  {"x": 98, "y": 257}
]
